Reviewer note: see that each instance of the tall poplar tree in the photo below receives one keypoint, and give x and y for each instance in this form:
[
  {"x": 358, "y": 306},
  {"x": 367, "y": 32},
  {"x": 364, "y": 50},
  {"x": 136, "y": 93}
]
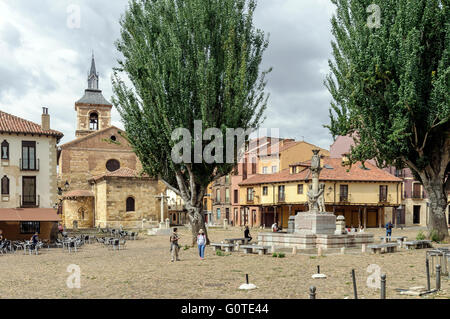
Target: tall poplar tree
[
  {"x": 188, "y": 60},
  {"x": 390, "y": 83}
]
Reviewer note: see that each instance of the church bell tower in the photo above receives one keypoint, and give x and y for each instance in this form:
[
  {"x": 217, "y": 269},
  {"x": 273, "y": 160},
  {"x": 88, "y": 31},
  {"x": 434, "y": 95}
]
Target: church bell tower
[{"x": 93, "y": 110}]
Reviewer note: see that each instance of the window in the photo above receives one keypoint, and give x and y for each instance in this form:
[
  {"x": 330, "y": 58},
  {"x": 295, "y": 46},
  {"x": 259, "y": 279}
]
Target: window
[
  {"x": 218, "y": 213},
  {"x": 93, "y": 121},
  {"x": 250, "y": 194},
  {"x": 300, "y": 189},
  {"x": 5, "y": 150},
  {"x": 416, "y": 190},
  {"x": 227, "y": 179},
  {"x": 343, "y": 196},
  {"x": 274, "y": 169},
  {"x": 281, "y": 195},
  {"x": 113, "y": 138},
  {"x": 29, "y": 156},
  {"x": 112, "y": 165},
  {"x": 383, "y": 193},
  {"x": 264, "y": 170},
  {"x": 236, "y": 196},
  {"x": 30, "y": 227},
  {"x": 254, "y": 216},
  {"x": 29, "y": 191},
  {"x": 218, "y": 195},
  {"x": 227, "y": 195},
  {"x": 130, "y": 204},
  {"x": 5, "y": 185},
  {"x": 253, "y": 168},
  {"x": 265, "y": 190}
]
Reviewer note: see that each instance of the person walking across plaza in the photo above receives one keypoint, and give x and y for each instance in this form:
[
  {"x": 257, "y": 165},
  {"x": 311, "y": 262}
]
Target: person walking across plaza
[
  {"x": 201, "y": 242},
  {"x": 389, "y": 227},
  {"x": 174, "y": 247}
]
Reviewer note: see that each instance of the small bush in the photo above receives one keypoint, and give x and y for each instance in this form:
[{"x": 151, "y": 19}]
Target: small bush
[
  {"x": 186, "y": 247},
  {"x": 420, "y": 236},
  {"x": 274, "y": 255},
  {"x": 220, "y": 253},
  {"x": 434, "y": 236},
  {"x": 281, "y": 255}
]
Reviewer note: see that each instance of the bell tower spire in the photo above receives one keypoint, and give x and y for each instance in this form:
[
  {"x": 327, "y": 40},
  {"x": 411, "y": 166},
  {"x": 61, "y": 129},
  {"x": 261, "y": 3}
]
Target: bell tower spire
[
  {"x": 93, "y": 75},
  {"x": 93, "y": 110}
]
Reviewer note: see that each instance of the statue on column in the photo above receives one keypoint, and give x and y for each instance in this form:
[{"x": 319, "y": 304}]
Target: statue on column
[{"x": 315, "y": 194}]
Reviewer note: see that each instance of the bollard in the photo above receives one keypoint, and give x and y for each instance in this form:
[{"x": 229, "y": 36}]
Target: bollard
[
  {"x": 427, "y": 264},
  {"x": 438, "y": 277},
  {"x": 294, "y": 250},
  {"x": 312, "y": 292},
  {"x": 354, "y": 284},
  {"x": 383, "y": 286},
  {"x": 363, "y": 248},
  {"x": 318, "y": 269},
  {"x": 246, "y": 278}
]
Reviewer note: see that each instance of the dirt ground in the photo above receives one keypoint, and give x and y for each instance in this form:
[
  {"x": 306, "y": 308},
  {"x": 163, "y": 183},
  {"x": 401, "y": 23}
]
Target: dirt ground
[{"x": 144, "y": 270}]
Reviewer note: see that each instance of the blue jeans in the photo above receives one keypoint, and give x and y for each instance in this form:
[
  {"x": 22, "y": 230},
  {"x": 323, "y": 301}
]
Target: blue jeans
[{"x": 201, "y": 251}]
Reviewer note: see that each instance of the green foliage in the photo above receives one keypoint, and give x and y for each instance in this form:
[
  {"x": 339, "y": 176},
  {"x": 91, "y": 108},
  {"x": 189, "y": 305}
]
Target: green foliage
[
  {"x": 420, "y": 236},
  {"x": 434, "y": 236},
  {"x": 281, "y": 255},
  {"x": 188, "y": 60},
  {"x": 220, "y": 253},
  {"x": 186, "y": 247},
  {"x": 275, "y": 255}
]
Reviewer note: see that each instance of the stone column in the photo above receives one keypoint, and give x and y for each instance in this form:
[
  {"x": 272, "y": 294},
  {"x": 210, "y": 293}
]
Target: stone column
[
  {"x": 379, "y": 217},
  {"x": 365, "y": 217}
]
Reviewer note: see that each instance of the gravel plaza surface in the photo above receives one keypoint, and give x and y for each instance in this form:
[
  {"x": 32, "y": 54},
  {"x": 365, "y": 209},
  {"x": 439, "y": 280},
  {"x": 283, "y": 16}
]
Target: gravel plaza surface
[{"x": 144, "y": 270}]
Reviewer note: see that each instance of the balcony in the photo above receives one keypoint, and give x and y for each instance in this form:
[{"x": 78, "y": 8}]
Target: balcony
[
  {"x": 30, "y": 201},
  {"x": 281, "y": 198},
  {"x": 418, "y": 195},
  {"x": 344, "y": 198},
  {"x": 26, "y": 165}
]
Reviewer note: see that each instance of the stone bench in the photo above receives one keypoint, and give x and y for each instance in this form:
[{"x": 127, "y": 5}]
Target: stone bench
[
  {"x": 417, "y": 244},
  {"x": 223, "y": 246},
  {"x": 380, "y": 248},
  {"x": 243, "y": 241},
  {"x": 248, "y": 249}
]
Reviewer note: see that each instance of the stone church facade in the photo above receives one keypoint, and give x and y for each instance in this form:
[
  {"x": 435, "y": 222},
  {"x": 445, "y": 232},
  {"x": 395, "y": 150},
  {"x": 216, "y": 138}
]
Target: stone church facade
[{"x": 99, "y": 174}]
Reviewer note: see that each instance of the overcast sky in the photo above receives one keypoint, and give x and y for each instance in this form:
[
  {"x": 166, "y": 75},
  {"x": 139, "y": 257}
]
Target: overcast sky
[{"x": 45, "y": 58}]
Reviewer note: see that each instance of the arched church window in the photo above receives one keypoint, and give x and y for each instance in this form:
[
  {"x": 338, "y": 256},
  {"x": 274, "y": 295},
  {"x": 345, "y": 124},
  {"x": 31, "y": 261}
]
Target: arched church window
[
  {"x": 5, "y": 185},
  {"x": 5, "y": 150},
  {"x": 112, "y": 165},
  {"x": 93, "y": 121},
  {"x": 130, "y": 204}
]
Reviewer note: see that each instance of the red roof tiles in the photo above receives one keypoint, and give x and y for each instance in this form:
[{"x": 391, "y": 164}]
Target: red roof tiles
[
  {"x": 337, "y": 173},
  {"x": 29, "y": 214},
  {"x": 13, "y": 124}
]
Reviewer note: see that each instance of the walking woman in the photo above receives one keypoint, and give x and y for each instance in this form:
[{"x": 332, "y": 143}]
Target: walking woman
[{"x": 201, "y": 242}]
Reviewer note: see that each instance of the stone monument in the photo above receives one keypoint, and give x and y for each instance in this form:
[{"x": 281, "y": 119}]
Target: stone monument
[{"x": 316, "y": 220}]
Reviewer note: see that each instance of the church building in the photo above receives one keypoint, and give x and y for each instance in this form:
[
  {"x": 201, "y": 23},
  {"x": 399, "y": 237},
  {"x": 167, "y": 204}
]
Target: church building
[{"x": 99, "y": 176}]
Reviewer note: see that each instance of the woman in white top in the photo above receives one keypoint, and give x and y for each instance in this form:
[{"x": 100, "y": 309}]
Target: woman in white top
[{"x": 201, "y": 242}]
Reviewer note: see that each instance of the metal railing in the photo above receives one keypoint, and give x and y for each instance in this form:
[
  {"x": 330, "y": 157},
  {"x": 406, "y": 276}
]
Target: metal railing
[
  {"x": 28, "y": 165},
  {"x": 29, "y": 200}
]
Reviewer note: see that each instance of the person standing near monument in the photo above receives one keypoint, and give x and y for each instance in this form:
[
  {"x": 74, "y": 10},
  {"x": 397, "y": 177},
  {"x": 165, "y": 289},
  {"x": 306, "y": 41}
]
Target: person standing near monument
[
  {"x": 174, "y": 247},
  {"x": 389, "y": 227},
  {"x": 247, "y": 233},
  {"x": 201, "y": 242}
]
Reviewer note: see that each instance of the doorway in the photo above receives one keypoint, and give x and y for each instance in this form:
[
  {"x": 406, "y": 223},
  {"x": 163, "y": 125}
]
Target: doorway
[{"x": 416, "y": 214}]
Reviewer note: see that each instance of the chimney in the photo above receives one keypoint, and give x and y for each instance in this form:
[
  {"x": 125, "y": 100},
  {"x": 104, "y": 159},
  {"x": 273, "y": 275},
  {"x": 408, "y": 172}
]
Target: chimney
[{"x": 45, "y": 119}]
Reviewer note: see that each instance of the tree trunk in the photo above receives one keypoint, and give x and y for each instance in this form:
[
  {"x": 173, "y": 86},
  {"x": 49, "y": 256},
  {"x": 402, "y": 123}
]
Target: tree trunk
[
  {"x": 197, "y": 220},
  {"x": 438, "y": 204}
]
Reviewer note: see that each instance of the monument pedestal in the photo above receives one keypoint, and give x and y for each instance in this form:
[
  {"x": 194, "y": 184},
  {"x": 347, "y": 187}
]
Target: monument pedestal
[{"x": 316, "y": 223}]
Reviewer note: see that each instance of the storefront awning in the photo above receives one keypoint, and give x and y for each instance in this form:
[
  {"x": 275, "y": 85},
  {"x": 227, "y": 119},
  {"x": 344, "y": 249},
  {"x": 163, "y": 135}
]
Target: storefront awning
[{"x": 29, "y": 215}]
